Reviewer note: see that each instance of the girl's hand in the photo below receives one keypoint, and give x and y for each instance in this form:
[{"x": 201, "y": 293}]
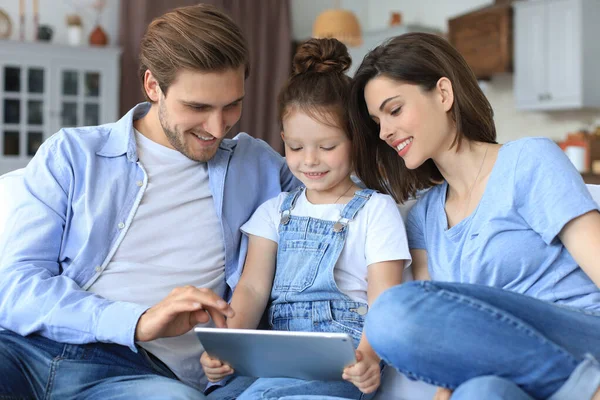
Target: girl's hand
[
  {"x": 214, "y": 368},
  {"x": 442, "y": 394},
  {"x": 365, "y": 374}
]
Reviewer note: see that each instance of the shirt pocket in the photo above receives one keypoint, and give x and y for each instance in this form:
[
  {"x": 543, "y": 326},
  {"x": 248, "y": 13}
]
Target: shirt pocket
[{"x": 298, "y": 264}]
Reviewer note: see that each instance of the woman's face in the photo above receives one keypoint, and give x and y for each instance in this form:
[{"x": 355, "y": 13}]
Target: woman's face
[{"x": 415, "y": 123}]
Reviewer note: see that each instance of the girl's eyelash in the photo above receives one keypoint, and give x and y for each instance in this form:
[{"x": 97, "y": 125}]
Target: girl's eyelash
[
  {"x": 328, "y": 148},
  {"x": 395, "y": 111}
]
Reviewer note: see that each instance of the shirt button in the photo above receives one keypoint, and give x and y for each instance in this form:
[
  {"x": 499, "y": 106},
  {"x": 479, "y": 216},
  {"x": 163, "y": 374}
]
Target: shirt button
[
  {"x": 139, "y": 183},
  {"x": 121, "y": 225},
  {"x": 98, "y": 268}
]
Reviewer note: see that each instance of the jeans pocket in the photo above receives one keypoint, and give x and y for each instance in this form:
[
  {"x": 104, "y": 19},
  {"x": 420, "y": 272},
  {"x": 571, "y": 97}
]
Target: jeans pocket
[
  {"x": 352, "y": 329},
  {"x": 297, "y": 264}
]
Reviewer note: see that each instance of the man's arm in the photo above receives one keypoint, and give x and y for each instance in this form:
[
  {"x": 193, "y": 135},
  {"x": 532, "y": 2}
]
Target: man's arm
[
  {"x": 34, "y": 295},
  {"x": 288, "y": 181}
]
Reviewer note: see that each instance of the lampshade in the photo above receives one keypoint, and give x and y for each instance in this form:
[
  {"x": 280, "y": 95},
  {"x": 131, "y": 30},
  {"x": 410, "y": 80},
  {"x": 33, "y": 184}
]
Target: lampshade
[{"x": 339, "y": 24}]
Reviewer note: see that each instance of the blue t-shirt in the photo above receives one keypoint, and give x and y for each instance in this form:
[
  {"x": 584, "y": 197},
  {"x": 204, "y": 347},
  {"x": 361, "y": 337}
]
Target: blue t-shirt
[{"x": 510, "y": 241}]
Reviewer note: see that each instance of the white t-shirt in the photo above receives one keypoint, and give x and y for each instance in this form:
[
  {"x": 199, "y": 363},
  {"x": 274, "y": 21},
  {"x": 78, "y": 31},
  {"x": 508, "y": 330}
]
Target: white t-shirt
[
  {"x": 376, "y": 234},
  {"x": 174, "y": 240}
]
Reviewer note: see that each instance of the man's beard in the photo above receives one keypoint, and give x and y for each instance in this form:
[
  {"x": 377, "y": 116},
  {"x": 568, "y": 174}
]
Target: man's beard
[{"x": 175, "y": 138}]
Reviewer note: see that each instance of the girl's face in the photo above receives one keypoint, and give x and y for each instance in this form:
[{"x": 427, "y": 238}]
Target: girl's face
[
  {"x": 415, "y": 123},
  {"x": 317, "y": 154}
]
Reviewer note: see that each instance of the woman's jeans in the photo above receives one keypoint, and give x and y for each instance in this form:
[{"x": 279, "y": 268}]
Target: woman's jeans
[
  {"x": 448, "y": 334},
  {"x": 35, "y": 367}
]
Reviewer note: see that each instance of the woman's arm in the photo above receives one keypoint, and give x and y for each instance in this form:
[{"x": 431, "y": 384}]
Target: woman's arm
[
  {"x": 581, "y": 237},
  {"x": 252, "y": 292},
  {"x": 419, "y": 265}
]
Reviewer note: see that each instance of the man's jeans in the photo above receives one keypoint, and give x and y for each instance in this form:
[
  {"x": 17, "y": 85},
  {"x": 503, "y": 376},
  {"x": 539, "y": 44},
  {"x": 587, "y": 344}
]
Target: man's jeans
[
  {"x": 479, "y": 339},
  {"x": 35, "y": 367}
]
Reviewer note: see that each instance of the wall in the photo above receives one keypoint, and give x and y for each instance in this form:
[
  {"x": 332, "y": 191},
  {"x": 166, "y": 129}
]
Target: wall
[
  {"x": 53, "y": 13},
  {"x": 511, "y": 124}
]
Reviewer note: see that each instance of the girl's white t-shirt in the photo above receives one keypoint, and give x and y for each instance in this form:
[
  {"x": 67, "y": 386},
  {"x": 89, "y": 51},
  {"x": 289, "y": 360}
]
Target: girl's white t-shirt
[{"x": 376, "y": 234}]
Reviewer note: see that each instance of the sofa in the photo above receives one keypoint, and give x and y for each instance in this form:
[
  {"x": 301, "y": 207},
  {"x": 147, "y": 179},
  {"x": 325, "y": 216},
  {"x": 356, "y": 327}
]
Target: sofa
[{"x": 394, "y": 386}]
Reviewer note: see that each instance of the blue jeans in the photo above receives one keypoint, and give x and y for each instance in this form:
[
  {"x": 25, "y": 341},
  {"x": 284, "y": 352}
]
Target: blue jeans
[
  {"x": 449, "y": 334},
  {"x": 35, "y": 367},
  {"x": 291, "y": 389}
]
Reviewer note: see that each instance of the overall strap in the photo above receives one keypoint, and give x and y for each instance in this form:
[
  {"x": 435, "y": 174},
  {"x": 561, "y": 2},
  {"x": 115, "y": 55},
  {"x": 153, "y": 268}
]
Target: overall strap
[
  {"x": 288, "y": 204},
  {"x": 358, "y": 201}
]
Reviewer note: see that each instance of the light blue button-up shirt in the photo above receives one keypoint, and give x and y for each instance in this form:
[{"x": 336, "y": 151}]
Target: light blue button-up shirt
[{"x": 75, "y": 203}]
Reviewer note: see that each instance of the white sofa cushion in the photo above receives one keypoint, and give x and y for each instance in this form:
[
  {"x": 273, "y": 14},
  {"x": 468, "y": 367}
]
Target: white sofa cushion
[{"x": 6, "y": 198}]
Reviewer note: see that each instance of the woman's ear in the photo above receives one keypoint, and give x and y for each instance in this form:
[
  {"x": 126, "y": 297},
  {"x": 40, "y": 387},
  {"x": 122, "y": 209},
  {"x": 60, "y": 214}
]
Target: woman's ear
[
  {"x": 282, "y": 137},
  {"x": 446, "y": 92}
]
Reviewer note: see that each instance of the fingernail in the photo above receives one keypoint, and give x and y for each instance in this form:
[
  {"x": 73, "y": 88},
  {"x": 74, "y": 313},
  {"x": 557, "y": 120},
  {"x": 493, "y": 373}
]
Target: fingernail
[
  {"x": 196, "y": 305},
  {"x": 221, "y": 303}
]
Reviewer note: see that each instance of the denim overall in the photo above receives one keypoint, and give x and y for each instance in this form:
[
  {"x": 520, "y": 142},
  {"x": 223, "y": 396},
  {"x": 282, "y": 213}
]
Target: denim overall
[{"x": 305, "y": 296}]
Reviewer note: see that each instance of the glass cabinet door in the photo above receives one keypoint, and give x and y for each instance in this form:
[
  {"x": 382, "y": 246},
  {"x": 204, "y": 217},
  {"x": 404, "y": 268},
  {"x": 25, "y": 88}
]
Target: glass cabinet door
[
  {"x": 79, "y": 97},
  {"x": 23, "y": 104}
]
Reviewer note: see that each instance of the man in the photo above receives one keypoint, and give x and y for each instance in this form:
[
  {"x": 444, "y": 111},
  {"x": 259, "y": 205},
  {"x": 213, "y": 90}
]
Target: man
[{"x": 126, "y": 235}]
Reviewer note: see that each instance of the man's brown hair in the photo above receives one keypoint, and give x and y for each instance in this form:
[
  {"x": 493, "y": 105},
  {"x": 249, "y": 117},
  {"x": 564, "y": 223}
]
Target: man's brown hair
[{"x": 195, "y": 38}]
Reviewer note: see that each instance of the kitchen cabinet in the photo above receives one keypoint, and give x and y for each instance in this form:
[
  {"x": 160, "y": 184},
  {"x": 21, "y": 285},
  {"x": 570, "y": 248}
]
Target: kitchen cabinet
[
  {"x": 484, "y": 37},
  {"x": 557, "y": 53},
  {"x": 45, "y": 87}
]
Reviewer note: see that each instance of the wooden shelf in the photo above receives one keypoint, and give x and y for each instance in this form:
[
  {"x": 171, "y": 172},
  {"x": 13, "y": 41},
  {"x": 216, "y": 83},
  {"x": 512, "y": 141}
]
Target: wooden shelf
[{"x": 589, "y": 178}]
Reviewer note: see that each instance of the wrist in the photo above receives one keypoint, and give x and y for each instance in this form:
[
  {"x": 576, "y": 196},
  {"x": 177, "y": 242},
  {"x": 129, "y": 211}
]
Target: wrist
[
  {"x": 368, "y": 352},
  {"x": 140, "y": 336}
]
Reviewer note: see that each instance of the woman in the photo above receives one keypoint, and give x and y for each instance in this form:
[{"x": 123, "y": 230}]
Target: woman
[{"x": 508, "y": 235}]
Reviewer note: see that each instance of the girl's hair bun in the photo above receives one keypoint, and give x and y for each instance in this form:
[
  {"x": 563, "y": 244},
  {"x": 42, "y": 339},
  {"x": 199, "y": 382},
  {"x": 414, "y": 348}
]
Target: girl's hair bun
[{"x": 321, "y": 56}]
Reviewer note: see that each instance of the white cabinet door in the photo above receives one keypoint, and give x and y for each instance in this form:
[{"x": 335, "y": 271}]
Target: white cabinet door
[
  {"x": 557, "y": 52},
  {"x": 44, "y": 87},
  {"x": 530, "y": 55},
  {"x": 78, "y": 95},
  {"x": 24, "y": 116},
  {"x": 564, "y": 54}
]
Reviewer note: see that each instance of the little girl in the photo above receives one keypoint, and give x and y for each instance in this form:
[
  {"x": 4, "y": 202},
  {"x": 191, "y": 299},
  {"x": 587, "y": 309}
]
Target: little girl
[{"x": 318, "y": 256}]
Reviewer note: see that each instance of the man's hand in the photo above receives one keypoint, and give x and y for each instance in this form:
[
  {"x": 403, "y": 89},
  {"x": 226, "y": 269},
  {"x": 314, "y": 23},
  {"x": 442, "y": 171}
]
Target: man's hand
[
  {"x": 442, "y": 394},
  {"x": 214, "y": 368},
  {"x": 365, "y": 374},
  {"x": 180, "y": 311}
]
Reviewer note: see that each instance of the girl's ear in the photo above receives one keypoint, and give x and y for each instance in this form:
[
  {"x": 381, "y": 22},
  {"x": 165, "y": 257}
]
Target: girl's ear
[
  {"x": 446, "y": 92},
  {"x": 282, "y": 137}
]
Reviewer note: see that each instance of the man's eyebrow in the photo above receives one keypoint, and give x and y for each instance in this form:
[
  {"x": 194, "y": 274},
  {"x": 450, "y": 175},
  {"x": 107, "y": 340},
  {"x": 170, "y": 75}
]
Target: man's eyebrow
[{"x": 199, "y": 105}]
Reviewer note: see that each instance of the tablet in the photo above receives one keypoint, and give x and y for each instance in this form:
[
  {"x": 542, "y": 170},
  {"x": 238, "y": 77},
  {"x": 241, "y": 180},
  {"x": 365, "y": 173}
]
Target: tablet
[{"x": 264, "y": 354}]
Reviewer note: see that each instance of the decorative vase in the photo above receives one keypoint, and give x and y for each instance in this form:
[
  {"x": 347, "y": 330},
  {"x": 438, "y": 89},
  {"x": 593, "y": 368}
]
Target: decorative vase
[
  {"x": 98, "y": 37},
  {"x": 74, "y": 34}
]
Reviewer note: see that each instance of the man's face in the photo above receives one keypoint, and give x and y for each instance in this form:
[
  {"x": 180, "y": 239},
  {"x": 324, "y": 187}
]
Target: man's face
[{"x": 199, "y": 109}]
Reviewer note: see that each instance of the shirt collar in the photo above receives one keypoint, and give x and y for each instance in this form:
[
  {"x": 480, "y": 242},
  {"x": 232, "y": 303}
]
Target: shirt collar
[{"x": 121, "y": 138}]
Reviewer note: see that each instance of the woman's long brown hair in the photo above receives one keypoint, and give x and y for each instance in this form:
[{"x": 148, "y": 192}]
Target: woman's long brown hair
[{"x": 420, "y": 59}]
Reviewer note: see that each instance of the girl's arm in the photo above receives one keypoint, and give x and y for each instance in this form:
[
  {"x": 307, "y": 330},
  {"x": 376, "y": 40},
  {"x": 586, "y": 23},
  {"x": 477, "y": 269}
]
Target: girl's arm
[
  {"x": 581, "y": 237},
  {"x": 252, "y": 292},
  {"x": 381, "y": 276},
  {"x": 249, "y": 298},
  {"x": 419, "y": 265},
  {"x": 365, "y": 374}
]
